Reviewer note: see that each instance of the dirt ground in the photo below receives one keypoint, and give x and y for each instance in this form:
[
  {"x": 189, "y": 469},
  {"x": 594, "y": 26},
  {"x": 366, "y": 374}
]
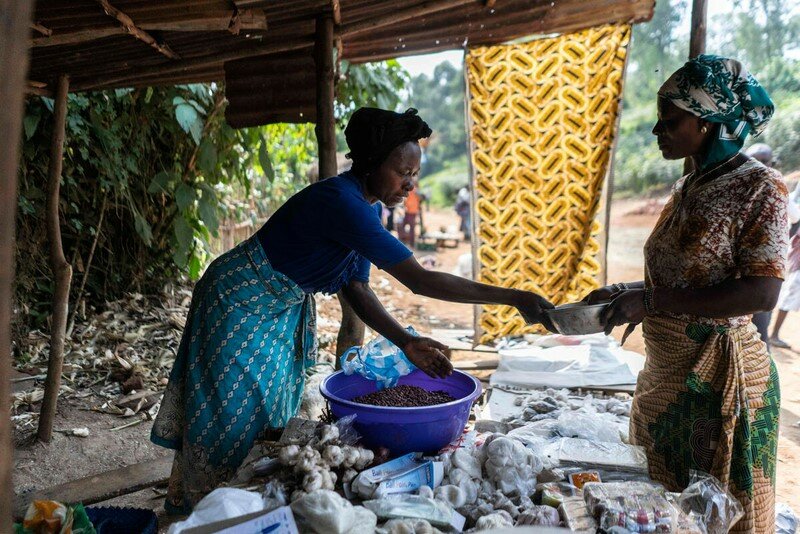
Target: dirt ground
[{"x": 68, "y": 457}]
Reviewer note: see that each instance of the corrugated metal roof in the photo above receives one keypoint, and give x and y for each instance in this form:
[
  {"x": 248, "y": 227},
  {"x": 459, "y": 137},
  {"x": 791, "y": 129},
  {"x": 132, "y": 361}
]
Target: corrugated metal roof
[{"x": 98, "y": 52}]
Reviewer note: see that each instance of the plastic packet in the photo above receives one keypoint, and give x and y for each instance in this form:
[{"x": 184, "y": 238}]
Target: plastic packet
[
  {"x": 326, "y": 512},
  {"x": 539, "y": 515},
  {"x": 587, "y": 453},
  {"x": 379, "y": 360},
  {"x": 554, "y": 493},
  {"x": 348, "y": 435},
  {"x": 587, "y": 426},
  {"x": 274, "y": 495},
  {"x": 576, "y": 516},
  {"x": 634, "y": 506},
  {"x": 711, "y": 507},
  {"x": 437, "y": 513}
]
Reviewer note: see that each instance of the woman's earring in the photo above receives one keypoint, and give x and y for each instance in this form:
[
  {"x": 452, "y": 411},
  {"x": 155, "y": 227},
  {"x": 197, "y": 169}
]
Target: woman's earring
[{"x": 704, "y": 129}]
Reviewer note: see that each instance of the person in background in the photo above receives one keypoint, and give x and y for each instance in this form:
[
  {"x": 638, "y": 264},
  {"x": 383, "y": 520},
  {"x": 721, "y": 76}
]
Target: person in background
[
  {"x": 708, "y": 398},
  {"x": 763, "y": 152},
  {"x": 412, "y": 205},
  {"x": 789, "y": 299},
  {"x": 463, "y": 211}
]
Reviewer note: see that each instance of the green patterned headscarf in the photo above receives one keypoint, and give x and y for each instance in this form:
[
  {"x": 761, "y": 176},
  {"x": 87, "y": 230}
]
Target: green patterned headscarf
[{"x": 720, "y": 90}]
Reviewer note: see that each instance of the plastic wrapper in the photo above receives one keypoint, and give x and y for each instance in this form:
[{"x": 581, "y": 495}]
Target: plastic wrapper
[
  {"x": 348, "y": 435},
  {"x": 575, "y": 514},
  {"x": 437, "y": 513},
  {"x": 634, "y": 506},
  {"x": 713, "y": 509},
  {"x": 785, "y": 519},
  {"x": 593, "y": 427},
  {"x": 545, "y": 516},
  {"x": 274, "y": 495},
  {"x": 592, "y": 454},
  {"x": 379, "y": 360},
  {"x": 554, "y": 493},
  {"x": 580, "y": 478},
  {"x": 222, "y": 503},
  {"x": 326, "y": 512},
  {"x": 401, "y": 475}
]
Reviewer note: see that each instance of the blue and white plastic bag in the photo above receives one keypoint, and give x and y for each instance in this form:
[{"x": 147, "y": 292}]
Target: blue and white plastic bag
[{"x": 379, "y": 360}]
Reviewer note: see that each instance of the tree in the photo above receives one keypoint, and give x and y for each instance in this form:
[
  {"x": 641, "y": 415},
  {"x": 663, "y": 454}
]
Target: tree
[{"x": 440, "y": 101}]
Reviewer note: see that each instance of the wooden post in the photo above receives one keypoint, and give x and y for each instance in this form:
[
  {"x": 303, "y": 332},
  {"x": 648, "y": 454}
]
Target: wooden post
[
  {"x": 351, "y": 331},
  {"x": 14, "y": 35},
  {"x": 62, "y": 271},
  {"x": 326, "y": 125},
  {"x": 697, "y": 38},
  {"x": 697, "y": 46}
]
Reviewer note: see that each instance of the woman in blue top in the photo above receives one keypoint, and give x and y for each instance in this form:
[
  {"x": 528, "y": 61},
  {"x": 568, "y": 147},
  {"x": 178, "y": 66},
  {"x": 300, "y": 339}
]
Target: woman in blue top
[{"x": 250, "y": 333}]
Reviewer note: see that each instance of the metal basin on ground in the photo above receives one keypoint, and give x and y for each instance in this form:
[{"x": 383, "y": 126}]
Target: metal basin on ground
[{"x": 402, "y": 430}]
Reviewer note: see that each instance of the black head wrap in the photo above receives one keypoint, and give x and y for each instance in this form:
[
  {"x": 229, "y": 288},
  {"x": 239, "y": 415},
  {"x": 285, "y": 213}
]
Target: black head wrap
[{"x": 373, "y": 133}]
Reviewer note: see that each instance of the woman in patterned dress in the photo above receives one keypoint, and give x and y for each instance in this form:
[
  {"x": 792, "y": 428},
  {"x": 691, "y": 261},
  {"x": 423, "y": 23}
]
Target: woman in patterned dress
[
  {"x": 708, "y": 398},
  {"x": 251, "y": 333}
]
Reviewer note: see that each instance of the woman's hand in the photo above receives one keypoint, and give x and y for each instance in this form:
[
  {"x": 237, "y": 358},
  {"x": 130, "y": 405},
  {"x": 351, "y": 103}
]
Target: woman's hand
[
  {"x": 605, "y": 293},
  {"x": 429, "y": 355},
  {"x": 531, "y": 306},
  {"x": 627, "y": 307}
]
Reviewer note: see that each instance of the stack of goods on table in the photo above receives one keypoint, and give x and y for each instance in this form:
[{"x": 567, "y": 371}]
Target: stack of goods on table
[
  {"x": 560, "y": 460},
  {"x": 552, "y": 471}
]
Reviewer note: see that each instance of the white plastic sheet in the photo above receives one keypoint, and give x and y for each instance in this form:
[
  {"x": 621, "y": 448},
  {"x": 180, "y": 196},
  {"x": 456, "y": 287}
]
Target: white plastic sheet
[{"x": 579, "y": 366}]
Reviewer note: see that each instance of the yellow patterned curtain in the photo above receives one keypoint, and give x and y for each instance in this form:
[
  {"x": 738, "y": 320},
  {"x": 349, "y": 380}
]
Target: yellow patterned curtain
[{"x": 543, "y": 117}]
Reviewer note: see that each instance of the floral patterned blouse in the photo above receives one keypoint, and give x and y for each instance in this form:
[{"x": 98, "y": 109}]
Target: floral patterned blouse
[{"x": 730, "y": 227}]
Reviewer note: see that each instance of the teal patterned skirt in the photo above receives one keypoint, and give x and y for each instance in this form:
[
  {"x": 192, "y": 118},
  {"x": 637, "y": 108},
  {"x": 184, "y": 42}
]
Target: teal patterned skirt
[{"x": 240, "y": 369}]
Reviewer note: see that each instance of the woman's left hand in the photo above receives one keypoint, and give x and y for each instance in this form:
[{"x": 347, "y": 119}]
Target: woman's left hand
[
  {"x": 627, "y": 307},
  {"x": 429, "y": 355}
]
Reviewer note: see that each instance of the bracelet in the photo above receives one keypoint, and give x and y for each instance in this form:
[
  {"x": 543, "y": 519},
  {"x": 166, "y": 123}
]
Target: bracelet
[{"x": 649, "y": 307}]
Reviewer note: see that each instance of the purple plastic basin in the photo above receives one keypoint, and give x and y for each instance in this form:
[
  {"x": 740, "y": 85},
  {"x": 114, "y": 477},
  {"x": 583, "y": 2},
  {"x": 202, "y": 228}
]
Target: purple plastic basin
[{"x": 402, "y": 430}]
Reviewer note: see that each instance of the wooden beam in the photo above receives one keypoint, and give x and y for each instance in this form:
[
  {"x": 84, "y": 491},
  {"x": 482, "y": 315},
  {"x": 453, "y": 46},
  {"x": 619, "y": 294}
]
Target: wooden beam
[
  {"x": 41, "y": 29},
  {"x": 102, "y": 486},
  {"x": 337, "y": 12},
  {"x": 247, "y": 19},
  {"x": 77, "y": 36},
  {"x": 130, "y": 27},
  {"x": 14, "y": 34},
  {"x": 62, "y": 270},
  {"x": 420, "y": 10},
  {"x": 131, "y": 75},
  {"x": 697, "y": 38}
]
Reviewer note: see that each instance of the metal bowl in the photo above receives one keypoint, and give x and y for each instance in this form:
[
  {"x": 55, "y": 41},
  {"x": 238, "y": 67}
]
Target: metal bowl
[{"x": 578, "y": 318}]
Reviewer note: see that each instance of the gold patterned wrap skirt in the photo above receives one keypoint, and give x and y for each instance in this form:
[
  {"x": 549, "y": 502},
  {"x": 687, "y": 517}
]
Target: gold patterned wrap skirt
[{"x": 708, "y": 399}]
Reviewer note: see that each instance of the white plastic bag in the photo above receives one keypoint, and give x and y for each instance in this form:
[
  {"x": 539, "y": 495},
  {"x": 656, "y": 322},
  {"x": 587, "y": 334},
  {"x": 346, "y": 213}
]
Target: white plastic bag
[
  {"x": 379, "y": 360},
  {"x": 785, "y": 519},
  {"x": 222, "y": 503},
  {"x": 326, "y": 512}
]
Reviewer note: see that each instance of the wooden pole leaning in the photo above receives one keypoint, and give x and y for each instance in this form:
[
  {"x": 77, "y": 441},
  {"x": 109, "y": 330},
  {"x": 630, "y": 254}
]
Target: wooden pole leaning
[{"x": 62, "y": 271}]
